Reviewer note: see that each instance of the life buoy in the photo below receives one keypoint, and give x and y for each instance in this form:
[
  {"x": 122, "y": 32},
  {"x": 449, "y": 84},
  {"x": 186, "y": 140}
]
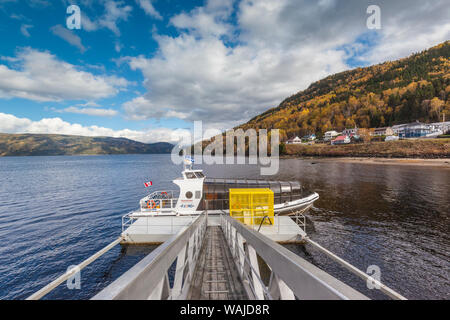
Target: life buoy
[
  {"x": 151, "y": 204},
  {"x": 164, "y": 193}
]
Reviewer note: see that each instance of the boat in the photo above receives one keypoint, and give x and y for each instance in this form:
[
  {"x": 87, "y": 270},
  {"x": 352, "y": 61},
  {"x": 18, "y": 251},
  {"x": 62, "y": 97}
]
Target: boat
[{"x": 198, "y": 193}]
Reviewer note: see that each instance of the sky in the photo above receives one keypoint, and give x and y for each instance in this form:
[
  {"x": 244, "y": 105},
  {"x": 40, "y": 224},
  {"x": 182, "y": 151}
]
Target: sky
[{"x": 147, "y": 69}]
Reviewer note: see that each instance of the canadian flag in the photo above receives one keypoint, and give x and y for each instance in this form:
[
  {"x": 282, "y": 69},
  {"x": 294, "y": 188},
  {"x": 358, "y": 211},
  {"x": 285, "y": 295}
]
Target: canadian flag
[{"x": 148, "y": 184}]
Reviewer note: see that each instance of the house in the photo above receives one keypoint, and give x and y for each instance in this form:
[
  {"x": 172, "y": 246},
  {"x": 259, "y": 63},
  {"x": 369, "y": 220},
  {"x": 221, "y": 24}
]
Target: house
[
  {"x": 330, "y": 135},
  {"x": 311, "y": 137},
  {"x": 385, "y": 131},
  {"x": 412, "y": 130},
  {"x": 295, "y": 140},
  {"x": 443, "y": 127},
  {"x": 350, "y": 132},
  {"x": 341, "y": 140}
]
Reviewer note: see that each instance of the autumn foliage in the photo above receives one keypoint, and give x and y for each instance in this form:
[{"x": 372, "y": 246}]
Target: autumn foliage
[{"x": 395, "y": 92}]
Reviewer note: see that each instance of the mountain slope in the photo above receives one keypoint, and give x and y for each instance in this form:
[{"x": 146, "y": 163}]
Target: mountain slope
[
  {"x": 409, "y": 89},
  {"x": 54, "y": 145}
]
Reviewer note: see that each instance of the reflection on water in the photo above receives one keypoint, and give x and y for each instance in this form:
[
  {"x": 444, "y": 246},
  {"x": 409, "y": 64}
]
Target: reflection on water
[
  {"x": 57, "y": 211},
  {"x": 395, "y": 217}
]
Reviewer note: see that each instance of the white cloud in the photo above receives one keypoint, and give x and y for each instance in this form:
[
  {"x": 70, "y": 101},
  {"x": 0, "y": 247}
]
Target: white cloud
[
  {"x": 68, "y": 36},
  {"x": 83, "y": 109},
  {"x": 226, "y": 72},
  {"x": 118, "y": 46},
  {"x": 149, "y": 9},
  {"x": 208, "y": 20},
  {"x": 115, "y": 11},
  {"x": 24, "y": 29},
  {"x": 11, "y": 124},
  {"x": 40, "y": 76},
  {"x": 87, "y": 24}
]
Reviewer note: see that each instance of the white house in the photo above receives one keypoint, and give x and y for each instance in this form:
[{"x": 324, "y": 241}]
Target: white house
[
  {"x": 295, "y": 140},
  {"x": 440, "y": 127},
  {"x": 329, "y": 135},
  {"x": 385, "y": 131},
  {"x": 412, "y": 130},
  {"x": 350, "y": 132}
]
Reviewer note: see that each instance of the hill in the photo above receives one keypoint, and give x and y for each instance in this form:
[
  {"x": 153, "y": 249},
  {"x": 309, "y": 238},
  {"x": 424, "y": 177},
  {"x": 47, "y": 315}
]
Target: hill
[
  {"x": 55, "y": 145},
  {"x": 394, "y": 92}
]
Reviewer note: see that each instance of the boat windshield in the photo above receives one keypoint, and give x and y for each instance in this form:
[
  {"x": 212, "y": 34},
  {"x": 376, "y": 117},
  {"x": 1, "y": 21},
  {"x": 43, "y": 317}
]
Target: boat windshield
[{"x": 190, "y": 175}]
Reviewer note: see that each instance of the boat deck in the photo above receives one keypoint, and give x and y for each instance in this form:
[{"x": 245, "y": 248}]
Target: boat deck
[
  {"x": 157, "y": 229},
  {"x": 216, "y": 276}
]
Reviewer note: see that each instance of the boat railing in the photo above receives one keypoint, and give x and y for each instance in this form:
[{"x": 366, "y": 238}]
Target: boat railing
[
  {"x": 163, "y": 200},
  {"x": 149, "y": 223}
]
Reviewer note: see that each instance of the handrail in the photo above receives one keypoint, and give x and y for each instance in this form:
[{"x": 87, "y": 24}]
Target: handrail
[
  {"x": 383, "y": 288},
  {"x": 291, "y": 275},
  {"x": 148, "y": 279},
  {"x": 52, "y": 285}
]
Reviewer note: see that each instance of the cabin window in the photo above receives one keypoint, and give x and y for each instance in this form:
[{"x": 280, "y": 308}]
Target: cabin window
[
  {"x": 190, "y": 175},
  {"x": 189, "y": 195},
  {"x": 199, "y": 175},
  {"x": 220, "y": 191},
  {"x": 198, "y": 195}
]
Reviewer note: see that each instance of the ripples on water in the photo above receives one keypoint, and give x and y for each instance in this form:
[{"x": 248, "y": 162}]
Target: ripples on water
[{"x": 57, "y": 211}]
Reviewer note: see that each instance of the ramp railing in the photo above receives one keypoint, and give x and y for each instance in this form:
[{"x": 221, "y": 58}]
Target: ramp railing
[
  {"x": 291, "y": 276},
  {"x": 149, "y": 278}
]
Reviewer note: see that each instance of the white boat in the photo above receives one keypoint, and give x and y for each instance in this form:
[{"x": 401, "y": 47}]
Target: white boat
[{"x": 198, "y": 193}]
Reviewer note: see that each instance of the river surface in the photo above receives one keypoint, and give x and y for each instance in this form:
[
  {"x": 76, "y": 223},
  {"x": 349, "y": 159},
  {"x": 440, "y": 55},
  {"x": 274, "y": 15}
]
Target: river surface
[{"x": 57, "y": 211}]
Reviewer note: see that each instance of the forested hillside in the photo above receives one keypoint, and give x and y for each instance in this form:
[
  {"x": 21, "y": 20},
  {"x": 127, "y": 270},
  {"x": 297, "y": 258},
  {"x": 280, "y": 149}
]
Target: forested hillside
[
  {"x": 409, "y": 89},
  {"x": 55, "y": 145}
]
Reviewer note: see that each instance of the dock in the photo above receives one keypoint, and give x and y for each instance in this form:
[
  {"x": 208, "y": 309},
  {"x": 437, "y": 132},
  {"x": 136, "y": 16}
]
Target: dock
[
  {"x": 144, "y": 229},
  {"x": 219, "y": 257},
  {"x": 216, "y": 276}
]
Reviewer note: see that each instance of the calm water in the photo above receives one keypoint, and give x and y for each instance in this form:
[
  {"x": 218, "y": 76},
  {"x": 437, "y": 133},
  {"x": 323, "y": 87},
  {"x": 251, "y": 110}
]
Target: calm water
[{"x": 57, "y": 211}]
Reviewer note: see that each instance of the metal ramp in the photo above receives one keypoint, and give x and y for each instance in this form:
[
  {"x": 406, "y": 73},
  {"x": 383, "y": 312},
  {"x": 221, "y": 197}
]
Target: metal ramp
[
  {"x": 210, "y": 259},
  {"x": 216, "y": 276}
]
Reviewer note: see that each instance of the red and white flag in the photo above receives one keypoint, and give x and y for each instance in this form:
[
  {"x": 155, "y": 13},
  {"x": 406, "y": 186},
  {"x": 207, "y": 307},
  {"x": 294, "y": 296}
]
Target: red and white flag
[{"x": 148, "y": 184}]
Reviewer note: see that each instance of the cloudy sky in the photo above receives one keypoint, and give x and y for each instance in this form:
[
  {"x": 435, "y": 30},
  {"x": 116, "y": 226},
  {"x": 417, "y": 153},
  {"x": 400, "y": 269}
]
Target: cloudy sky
[{"x": 144, "y": 68}]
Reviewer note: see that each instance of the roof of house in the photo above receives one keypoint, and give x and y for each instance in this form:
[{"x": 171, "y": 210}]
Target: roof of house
[
  {"x": 381, "y": 129},
  {"x": 340, "y": 138}
]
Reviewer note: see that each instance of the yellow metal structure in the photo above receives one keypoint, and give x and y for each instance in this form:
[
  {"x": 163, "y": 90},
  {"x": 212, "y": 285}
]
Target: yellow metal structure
[{"x": 250, "y": 206}]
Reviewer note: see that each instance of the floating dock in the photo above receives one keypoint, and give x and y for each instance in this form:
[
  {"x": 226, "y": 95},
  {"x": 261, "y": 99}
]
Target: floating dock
[
  {"x": 219, "y": 257},
  {"x": 145, "y": 229}
]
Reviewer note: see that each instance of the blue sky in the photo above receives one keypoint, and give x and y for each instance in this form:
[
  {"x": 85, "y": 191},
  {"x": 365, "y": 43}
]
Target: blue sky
[{"x": 145, "y": 69}]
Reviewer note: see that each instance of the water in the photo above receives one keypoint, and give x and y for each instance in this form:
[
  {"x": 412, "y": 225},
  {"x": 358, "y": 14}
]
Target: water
[{"x": 57, "y": 211}]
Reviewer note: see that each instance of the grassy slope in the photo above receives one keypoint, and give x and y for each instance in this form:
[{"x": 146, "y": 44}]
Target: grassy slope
[
  {"x": 51, "y": 145},
  {"x": 424, "y": 148}
]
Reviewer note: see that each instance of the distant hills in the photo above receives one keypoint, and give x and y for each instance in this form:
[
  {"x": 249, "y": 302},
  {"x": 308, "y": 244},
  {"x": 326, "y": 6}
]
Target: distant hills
[
  {"x": 56, "y": 145},
  {"x": 394, "y": 92}
]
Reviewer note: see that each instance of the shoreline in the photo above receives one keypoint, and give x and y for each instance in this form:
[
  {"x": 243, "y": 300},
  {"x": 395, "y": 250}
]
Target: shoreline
[{"x": 440, "y": 162}]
